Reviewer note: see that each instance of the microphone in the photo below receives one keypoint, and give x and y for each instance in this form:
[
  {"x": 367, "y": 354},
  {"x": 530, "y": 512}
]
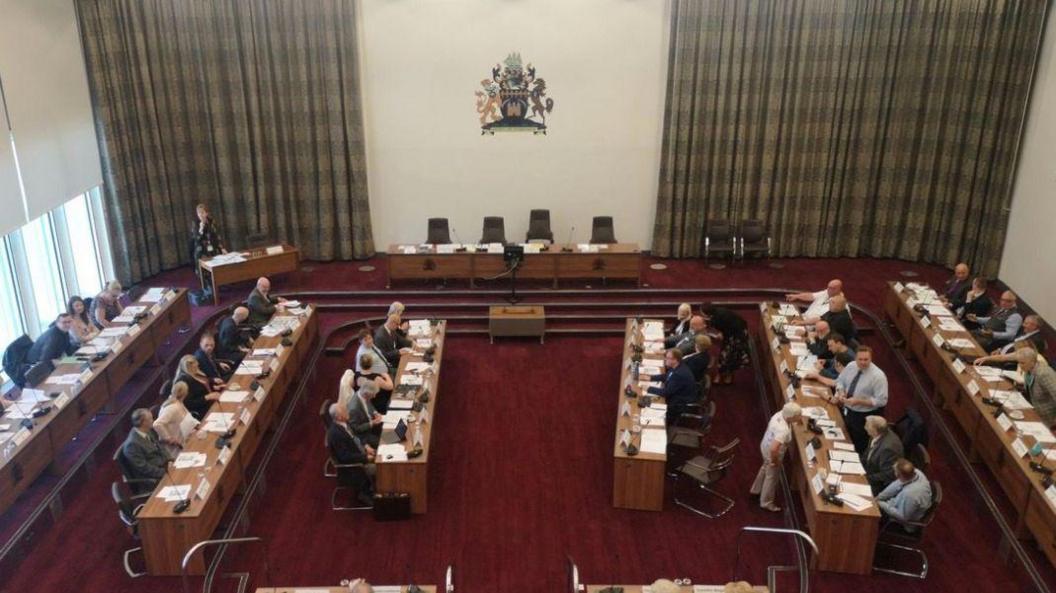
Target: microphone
[
  {"x": 568, "y": 244},
  {"x": 461, "y": 245},
  {"x": 182, "y": 505}
]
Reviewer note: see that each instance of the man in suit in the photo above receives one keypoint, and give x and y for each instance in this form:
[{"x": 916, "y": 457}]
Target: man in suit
[
  {"x": 1001, "y": 326},
  {"x": 217, "y": 372},
  {"x": 142, "y": 449},
  {"x": 347, "y": 448},
  {"x": 699, "y": 360},
  {"x": 884, "y": 449},
  {"x": 1029, "y": 337},
  {"x": 681, "y": 322},
  {"x": 956, "y": 288},
  {"x": 678, "y": 387},
  {"x": 818, "y": 340},
  {"x": 839, "y": 318},
  {"x": 836, "y": 344},
  {"x": 261, "y": 304},
  {"x": 233, "y": 336},
  {"x": 686, "y": 341},
  {"x": 364, "y": 419},
  {"x": 55, "y": 342},
  {"x": 388, "y": 340}
]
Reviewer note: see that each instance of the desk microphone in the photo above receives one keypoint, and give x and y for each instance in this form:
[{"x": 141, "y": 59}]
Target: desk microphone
[
  {"x": 568, "y": 244},
  {"x": 461, "y": 245},
  {"x": 181, "y": 505}
]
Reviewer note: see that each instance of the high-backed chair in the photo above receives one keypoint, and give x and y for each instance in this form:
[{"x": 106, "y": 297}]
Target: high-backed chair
[
  {"x": 706, "y": 470},
  {"x": 494, "y": 230},
  {"x": 324, "y": 414},
  {"x": 539, "y": 227},
  {"x": 909, "y": 532},
  {"x": 128, "y": 512},
  {"x": 754, "y": 239},
  {"x": 601, "y": 231},
  {"x": 439, "y": 232},
  {"x": 137, "y": 485},
  {"x": 719, "y": 239}
]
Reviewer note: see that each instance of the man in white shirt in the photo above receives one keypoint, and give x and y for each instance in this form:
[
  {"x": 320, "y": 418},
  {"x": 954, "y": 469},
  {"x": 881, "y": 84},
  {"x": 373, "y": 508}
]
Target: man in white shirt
[
  {"x": 775, "y": 441},
  {"x": 861, "y": 389},
  {"x": 819, "y": 301}
]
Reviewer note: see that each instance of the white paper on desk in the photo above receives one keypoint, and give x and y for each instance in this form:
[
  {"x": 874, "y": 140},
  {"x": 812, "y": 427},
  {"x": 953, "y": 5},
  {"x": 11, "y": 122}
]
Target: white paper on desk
[
  {"x": 653, "y": 440},
  {"x": 233, "y": 397},
  {"x": 798, "y": 348},
  {"x": 960, "y": 343},
  {"x": 843, "y": 446},
  {"x": 408, "y": 249},
  {"x": 224, "y": 456},
  {"x": 393, "y": 417},
  {"x": 408, "y": 379},
  {"x": 1011, "y": 400},
  {"x": 857, "y": 503},
  {"x": 19, "y": 412},
  {"x": 189, "y": 459},
  {"x": 815, "y": 412},
  {"x": 32, "y": 396},
  {"x": 218, "y": 421},
  {"x": 153, "y": 295},
  {"x": 392, "y": 452},
  {"x": 113, "y": 332},
  {"x": 587, "y": 248},
  {"x": 842, "y": 455},
  {"x": 950, "y": 324},
  {"x": 175, "y": 493},
  {"x": 651, "y": 417},
  {"x": 187, "y": 426},
  {"x": 862, "y": 490},
  {"x": 937, "y": 310},
  {"x": 1015, "y": 376},
  {"x": 649, "y": 368},
  {"x": 123, "y": 318},
  {"x": 87, "y": 350},
  {"x": 417, "y": 367},
  {"x": 424, "y": 342},
  {"x": 817, "y": 392},
  {"x": 1038, "y": 430},
  {"x": 262, "y": 352},
  {"x": 401, "y": 404},
  {"x": 1050, "y": 493},
  {"x": 789, "y": 310},
  {"x": 834, "y": 434},
  {"x": 67, "y": 379},
  {"x": 851, "y": 468}
]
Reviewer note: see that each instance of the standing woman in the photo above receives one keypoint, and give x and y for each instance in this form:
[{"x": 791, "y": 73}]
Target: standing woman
[
  {"x": 205, "y": 239},
  {"x": 200, "y": 394},
  {"x": 174, "y": 420},
  {"x": 82, "y": 329},
  {"x": 733, "y": 332}
]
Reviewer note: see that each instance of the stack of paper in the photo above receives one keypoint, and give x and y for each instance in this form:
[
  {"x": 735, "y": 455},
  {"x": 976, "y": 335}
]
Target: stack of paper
[
  {"x": 68, "y": 379},
  {"x": 153, "y": 295},
  {"x": 250, "y": 367},
  {"x": 262, "y": 352},
  {"x": 1038, "y": 430},
  {"x": 113, "y": 332},
  {"x": 218, "y": 421},
  {"x": 654, "y": 440},
  {"x": 960, "y": 343},
  {"x": 653, "y": 331},
  {"x": 233, "y": 397},
  {"x": 393, "y": 417},
  {"x": 175, "y": 493},
  {"x": 789, "y": 310},
  {"x": 392, "y": 452},
  {"x": 862, "y": 490},
  {"x": 842, "y": 455},
  {"x": 651, "y": 417},
  {"x": 854, "y": 501},
  {"x": 417, "y": 367},
  {"x": 409, "y": 379},
  {"x": 189, "y": 459},
  {"x": 853, "y": 468},
  {"x": 950, "y": 324},
  {"x": 587, "y": 248},
  {"x": 528, "y": 248},
  {"x": 815, "y": 412},
  {"x": 1011, "y": 400},
  {"x": 227, "y": 258}
]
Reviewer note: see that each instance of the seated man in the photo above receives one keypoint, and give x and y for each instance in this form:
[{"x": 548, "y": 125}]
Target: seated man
[
  {"x": 819, "y": 301},
  {"x": 347, "y": 448},
  {"x": 818, "y": 340},
  {"x": 1029, "y": 337},
  {"x": 364, "y": 419},
  {"x": 976, "y": 304},
  {"x": 261, "y": 304},
  {"x": 837, "y": 345},
  {"x": 1038, "y": 377},
  {"x": 391, "y": 342},
  {"x": 678, "y": 389},
  {"x": 686, "y": 341},
  {"x": 217, "y": 372},
  {"x": 233, "y": 336},
  {"x": 142, "y": 449},
  {"x": 700, "y": 359},
  {"x": 955, "y": 289},
  {"x": 1001, "y": 326},
  {"x": 681, "y": 322},
  {"x": 839, "y": 318},
  {"x": 55, "y": 342},
  {"x": 885, "y": 448},
  {"x": 908, "y": 498},
  {"x": 839, "y": 362}
]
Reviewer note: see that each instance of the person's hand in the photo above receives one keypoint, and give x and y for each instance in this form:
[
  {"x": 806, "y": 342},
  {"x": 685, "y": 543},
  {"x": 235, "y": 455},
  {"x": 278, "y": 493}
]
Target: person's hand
[
  {"x": 987, "y": 332},
  {"x": 377, "y": 419},
  {"x": 405, "y": 326},
  {"x": 971, "y": 317},
  {"x": 819, "y": 365},
  {"x": 213, "y": 396},
  {"x": 790, "y": 297},
  {"x": 225, "y": 366},
  {"x": 981, "y": 360},
  {"x": 406, "y": 350}
]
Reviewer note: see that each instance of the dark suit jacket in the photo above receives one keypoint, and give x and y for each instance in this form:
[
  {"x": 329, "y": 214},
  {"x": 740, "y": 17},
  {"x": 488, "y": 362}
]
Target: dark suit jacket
[
  {"x": 347, "y": 448},
  {"x": 878, "y": 460},
  {"x": 229, "y": 338},
  {"x": 841, "y": 323},
  {"x": 698, "y": 364},
  {"x": 208, "y": 365},
  {"x": 359, "y": 421},
  {"x": 820, "y": 347},
  {"x": 261, "y": 307},
  {"x": 195, "y": 401},
  {"x": 678, "y": 389},
  {"x": 145, "y": 456},
  {"x": 980, "y": 307},
  {"x": 678, "y": 328},
  {"x": 955, "y": 290},
  {"x": 389, "y": 343},
  {"x": 53, "y": 343}
]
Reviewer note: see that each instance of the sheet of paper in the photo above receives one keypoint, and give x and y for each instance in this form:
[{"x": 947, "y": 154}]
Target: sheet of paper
[
  {"x": 234, "y": 397},
  {"x": 408, "y": 379},
  {"x": 392, "y": 452},
  {"x": 842, "y": 455},
  {"x": 393, "y": 417},
  {"x": 862, "y": 490},
  {"x": 857, "y": 503},
  {"x": 219, "y": 422},
  {"x": 1038, "y": 430},
  {"x": 834, "y": 434},
  {"x": 653, "y": 440},
  {"x": 852, "y": 468},
  {"x": 961, "y": 343},
  {"x": 175, "y": 493},
  {"x": 843, "y": 446},
  {"x": 189, "y": 459}
]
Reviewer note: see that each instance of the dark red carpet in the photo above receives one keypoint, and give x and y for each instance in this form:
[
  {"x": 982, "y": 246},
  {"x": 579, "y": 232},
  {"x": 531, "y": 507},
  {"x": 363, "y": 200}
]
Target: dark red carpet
[{"x": 521, "y": 476}]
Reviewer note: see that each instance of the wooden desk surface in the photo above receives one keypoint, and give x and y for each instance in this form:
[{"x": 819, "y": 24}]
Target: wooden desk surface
[
  {"x": 683, "y": 589},
  {"x": 516, "y": 311},
  {"x": 252, "y": 256},
  {"x": 73, "y": 405},
  {"x": 429, "y": 249},
  {"x": 633, "y": 337},
  {"x": 431, "y": 382},
  {"x": 403, "y": 589},
  {"x": 166, "y": 535}
]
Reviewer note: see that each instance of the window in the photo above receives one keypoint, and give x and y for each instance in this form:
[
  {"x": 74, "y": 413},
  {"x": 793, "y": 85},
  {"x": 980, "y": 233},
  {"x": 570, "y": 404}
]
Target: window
[
  {"x": 86, "y": 277},
  {"x": 11, "y": 325},
  {"x": 48, "y": 296}
]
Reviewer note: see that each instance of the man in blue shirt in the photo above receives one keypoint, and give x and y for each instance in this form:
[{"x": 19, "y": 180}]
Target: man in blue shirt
[
  {"x": 862, "y": 391},
  {"x": 908, "y": 498}
]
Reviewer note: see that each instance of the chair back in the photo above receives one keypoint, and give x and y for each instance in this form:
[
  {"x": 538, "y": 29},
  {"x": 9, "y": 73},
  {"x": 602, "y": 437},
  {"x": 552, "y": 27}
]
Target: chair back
[
  {"x": 602, "y": 230},
  {"x": 719, "y": 230},
  {"x": 122, "y": 463},
  {"x": 539, "y": 226},
  {"x": 920, "y": 457},
  {"x": 936, "y": 500},
  {"x": 15, "y": 359},
  {"x": 324, "y": 414},
  {"x": 704, "y": 388},
  {"x": 439, "y": 233},
  {"x": 753, "y": 231},
  {"x": 494, "y": 230},
  {"x": 911, "y": 429}
]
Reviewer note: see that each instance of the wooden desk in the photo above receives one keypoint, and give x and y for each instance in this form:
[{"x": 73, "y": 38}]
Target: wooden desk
[
  {"x": 411, "y": 476},
  {"x": 516, "y": 321},
  {"x": 258, "y": 263},
  {"x": 640, "y": 588},
  {"x": 74, "y": 405},
  {"x": 637, "y": 480},
  {"x": 166, "y": 536},
  {"x": 1033, "y": 513},
  {"x": 846, "y": 538},
  {"x": 403, "y": 589},
  {"x": 619, "y": 261}
]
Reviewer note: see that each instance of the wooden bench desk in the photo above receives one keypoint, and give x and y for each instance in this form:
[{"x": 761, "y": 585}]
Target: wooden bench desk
[{"x": 258, "y": 263}]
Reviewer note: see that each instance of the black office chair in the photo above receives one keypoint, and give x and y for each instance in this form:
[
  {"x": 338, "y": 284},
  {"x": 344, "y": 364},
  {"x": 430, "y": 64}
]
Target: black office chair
[
  {"x": 15, "y": 359},
  {"x": 346, "y": 481},
  {"x": 908, "y": 532},
  {"x": 690, "y": 428},
  {"x": 719, "y": 239},
  {"x": 439, "y": 232},
  {"x": 539, "y": 227},
  {"x": 494, "y": 230},
  {"x": 706, "y": 470},
  {"x": 137, "y": 485},
  {"x": 920, "y": 458},
  {"x": 602, "y": 231},
  {"x": 324, "y": 414},
  {"x": 128, "y": 512},
  {"x": 754, "y": 239},
  {"x": 258, "y": 240}
]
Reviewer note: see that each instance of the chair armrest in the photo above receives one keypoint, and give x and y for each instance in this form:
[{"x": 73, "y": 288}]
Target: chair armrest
[
  {"x": 140, "y": 481},
  {"x": 346, "y": 465}
]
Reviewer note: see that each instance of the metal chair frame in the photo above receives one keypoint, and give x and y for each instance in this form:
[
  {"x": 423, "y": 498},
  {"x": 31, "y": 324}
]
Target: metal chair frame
[
  {"x": 721, "y": 458},
  {"x": 909, "y": 537}
]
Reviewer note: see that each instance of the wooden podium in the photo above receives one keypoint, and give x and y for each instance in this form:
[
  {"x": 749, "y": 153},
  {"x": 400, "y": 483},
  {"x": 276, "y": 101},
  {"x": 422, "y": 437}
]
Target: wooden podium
[{"x": 516, "y": 321}]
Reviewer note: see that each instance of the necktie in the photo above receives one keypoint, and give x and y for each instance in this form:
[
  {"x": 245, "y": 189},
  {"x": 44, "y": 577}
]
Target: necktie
[{"x": 854, "y": 384}]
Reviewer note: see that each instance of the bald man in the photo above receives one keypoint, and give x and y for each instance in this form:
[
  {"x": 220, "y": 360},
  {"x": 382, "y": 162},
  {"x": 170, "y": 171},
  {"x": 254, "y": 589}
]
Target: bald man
[
  {"x": 818, "y": 340},
  {"x": 819, "y": 301},
  {"x": 233, "y": 336},
  {"x": 1001, "y": 326},
  {"x": 957, "y": 287},
  {"x": 261, "y": 304}
]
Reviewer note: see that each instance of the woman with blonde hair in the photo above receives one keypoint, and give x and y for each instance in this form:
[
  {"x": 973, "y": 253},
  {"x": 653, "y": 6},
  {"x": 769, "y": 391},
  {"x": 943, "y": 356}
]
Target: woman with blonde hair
[
  {"x": 174, "y": 421},
  {"x": 346, "y": 388},
  {"x": 200, "y": 394},
  {"x": 107, "y": 305}
]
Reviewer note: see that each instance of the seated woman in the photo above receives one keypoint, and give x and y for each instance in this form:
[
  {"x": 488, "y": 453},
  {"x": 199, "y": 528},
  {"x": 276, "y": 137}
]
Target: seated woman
[
  {"x": 681, "y": 324},
  {"x": 107, "y": 305},
  {"x": 174, "y": 421},
  {"x": 733, "y": 331},
  {"x": 200, "y": 394},
  {"x": 81, "y": 329},
  {"x": 382, "y": 380}
]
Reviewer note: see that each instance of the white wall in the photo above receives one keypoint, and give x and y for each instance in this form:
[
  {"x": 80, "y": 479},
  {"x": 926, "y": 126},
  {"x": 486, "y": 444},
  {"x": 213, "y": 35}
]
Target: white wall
[
  {"x": 605, "y": 65},
  {"x": 1027, "y": 264}
]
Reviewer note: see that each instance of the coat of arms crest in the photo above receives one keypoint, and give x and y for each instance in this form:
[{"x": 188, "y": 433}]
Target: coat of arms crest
[{"x": 513, "y": 99}]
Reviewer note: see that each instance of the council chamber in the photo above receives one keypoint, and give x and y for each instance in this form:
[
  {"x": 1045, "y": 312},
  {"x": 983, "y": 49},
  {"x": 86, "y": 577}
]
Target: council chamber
[{"x": 605, "y": 296}]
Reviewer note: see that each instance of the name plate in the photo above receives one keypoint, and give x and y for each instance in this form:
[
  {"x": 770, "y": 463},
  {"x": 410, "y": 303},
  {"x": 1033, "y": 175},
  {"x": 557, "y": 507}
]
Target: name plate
[
  {"x": 135, "y": 329},
  {"x": 62, "y": 400},
  {"x": 155, "y": 309},
  {"x": 625, "y": 409},
  {"x": 203, "y": 489},
  {"x": 959, "y": 366},
  {"x": 274, "y": 364},
  {"x": 1020, "y": 449},
  {"x": 258, "y": 394},
  {"x": 937, "y": 340},
  {"x": 418, "y": 437},
  {"x": 86, "y": 376},
  {"x": 817, "y": 483},
  {"x": 625, "y": 438},
  {"x": 899, "y": 287},
  {"x": 973, "y": 387},
  {"x": 812, "y": 455},
  {"x": 775, "y": 344},
  {"x": 790, "y": 392},
  {"x": 783, "y": 366},
  {"x": 274, "y": 250},
  {"x": 20, "y": 437},
  {"x": 116, "y": 347},
  {"x": 423, "y": 417},
  {"x": 225, "y": 456},
  {"x": 245, "y": 416},
  {"x": 1050, "y": 493},
  {"x": 169, "y": 295},
  {"x": 1004, "y": 422},
  {"x": 925, "y": 321},
  {"x": 762, "y": 307},
  {"x": 279, "y": 350}
]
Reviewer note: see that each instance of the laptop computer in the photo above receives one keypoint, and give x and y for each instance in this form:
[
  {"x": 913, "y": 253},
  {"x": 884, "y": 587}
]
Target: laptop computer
[{"x": 396, "y": 435}]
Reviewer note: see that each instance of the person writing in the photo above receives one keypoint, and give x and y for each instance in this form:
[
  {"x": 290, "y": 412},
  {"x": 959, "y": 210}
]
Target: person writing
[
  {"x": 107, "y": 305},
  {"x": 81, "y": 327}
]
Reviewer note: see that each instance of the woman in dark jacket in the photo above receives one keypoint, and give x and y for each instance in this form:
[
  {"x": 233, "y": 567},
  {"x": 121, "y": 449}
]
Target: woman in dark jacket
[
  {"x": 200, "y": 394},
  {"x": 976, "y": 302},
  {"x": 733, "y": 332},
  {"x": 206, "y": 241}
]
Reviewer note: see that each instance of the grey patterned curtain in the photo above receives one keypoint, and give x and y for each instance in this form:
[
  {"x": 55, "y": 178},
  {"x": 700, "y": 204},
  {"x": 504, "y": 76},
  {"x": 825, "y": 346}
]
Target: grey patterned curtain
[
  {"x": 250, "y": 106},
  {"x": 885, "y": 128}
]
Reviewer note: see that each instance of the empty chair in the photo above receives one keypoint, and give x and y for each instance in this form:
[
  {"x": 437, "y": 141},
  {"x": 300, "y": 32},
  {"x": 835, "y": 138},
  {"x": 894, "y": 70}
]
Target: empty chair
[
  {"x": 439, "y": 232},
  {"x": 128, "y": 513},
  {"x": 719, "y": 239},
  {"x": 754, "y": 239},
  {"x": 920, "y": 457},
  {"x": 324, "y": 413},
  {"x": 705, "y": 470},
  {"x": 601, "y": 231},
  {"x": 539, "y": 227},
  {"x": 494, "y": 230},
  {"x": 909, "y": 532}
]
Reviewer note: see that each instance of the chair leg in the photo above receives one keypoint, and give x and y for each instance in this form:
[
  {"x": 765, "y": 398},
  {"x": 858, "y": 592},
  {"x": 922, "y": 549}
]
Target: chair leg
[
  {"x": 328, "y": 469},
  {"x": 333, "y": 501},
  {"x": 128, "y": 564},
  {"x": 728, "y": 503},
  {"x": 920, "y": 553}
]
